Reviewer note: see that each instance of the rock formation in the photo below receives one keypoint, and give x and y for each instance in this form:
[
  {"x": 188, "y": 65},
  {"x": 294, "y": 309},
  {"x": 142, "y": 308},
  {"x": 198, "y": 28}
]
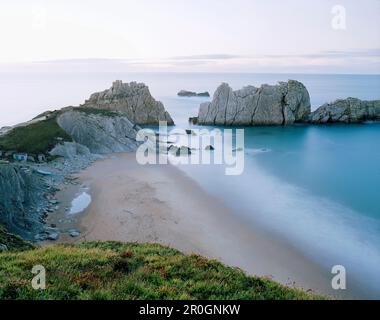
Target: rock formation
[
  {"x": 350, "y": 110},
  {"x": 101, "y": 134},
  {"x": 20, "y": 192},
  {"x": 281, "y": 104},
  {"x": 185, "y": 93},
  {"x": 70, "y": 150},
  {"x": 132, "y": 99}
]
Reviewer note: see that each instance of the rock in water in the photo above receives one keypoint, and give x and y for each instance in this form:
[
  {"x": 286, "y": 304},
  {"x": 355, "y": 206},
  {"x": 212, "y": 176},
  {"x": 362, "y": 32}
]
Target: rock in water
[
  {"x": 281, "y": 104},
  {"x": 350, "y": 110},
  {"x": 134, "y": 100},
  {"x": 101, "y": 134},
  {"x": 185, "y": 93}
]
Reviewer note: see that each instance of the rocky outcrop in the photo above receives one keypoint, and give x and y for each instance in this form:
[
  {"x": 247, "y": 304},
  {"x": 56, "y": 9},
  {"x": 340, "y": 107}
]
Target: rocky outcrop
[
  {"x": 281, "y": 104},
  {"x": 70, "y": 150},
  {"x": 185, "y": 93},
  {"x": 132, "y": 99},
  {"x": 20, "y": 193},
  {"x": 350, "y": 110},
  {"x": 101, "y": 134}
]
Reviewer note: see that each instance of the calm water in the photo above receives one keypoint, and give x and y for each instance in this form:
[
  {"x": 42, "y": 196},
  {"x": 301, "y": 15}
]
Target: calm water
[{"x": 317, "y": 187}]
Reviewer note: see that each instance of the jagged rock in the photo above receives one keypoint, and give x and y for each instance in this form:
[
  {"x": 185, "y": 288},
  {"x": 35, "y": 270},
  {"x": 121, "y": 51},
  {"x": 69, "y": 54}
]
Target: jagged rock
[
  {"x": 281, "y": 104},
  {"x": 132, "y": 99},
  {"x": 350, "y": 110},
  {"x": 20, "y": 191},
  {"x": 99, "y": 133},
  {"x": 70, "y": 150}
]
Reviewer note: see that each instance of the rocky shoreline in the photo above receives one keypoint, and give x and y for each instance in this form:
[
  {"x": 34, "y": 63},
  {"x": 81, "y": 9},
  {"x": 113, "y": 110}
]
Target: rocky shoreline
[
  {"x": 30, "y": 196},
  {"x": 66, "y": 141}
]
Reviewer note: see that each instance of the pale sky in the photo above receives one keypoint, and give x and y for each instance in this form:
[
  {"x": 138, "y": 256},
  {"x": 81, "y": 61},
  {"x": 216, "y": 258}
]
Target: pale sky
[{"x": 192, "y": 35}]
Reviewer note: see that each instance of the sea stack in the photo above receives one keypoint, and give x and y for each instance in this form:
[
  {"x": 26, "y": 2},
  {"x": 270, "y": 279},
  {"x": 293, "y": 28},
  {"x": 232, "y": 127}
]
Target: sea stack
[
  {"x": 133, "y": 100},
  {"x": 282, "y": 104}
]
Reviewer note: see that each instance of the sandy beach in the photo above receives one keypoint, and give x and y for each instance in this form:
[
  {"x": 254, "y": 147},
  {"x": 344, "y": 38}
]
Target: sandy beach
[{"x": 134, "y": 203}]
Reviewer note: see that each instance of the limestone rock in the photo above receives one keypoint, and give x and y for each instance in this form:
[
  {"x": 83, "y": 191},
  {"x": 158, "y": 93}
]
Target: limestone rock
[
  {"x": 20, "y": 191},
  {"x": 281, "y": 104},
  {"x": 350, "y": 110},
  {"x": 70, "y": 150},
  {"x": 99, "y": 133},
  {"x": 132, "y": 99},
  {"x": 185, "y": 93}
]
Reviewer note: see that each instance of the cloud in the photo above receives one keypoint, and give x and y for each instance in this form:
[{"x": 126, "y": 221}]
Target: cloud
[
  {"x": 219, "y": 56},
  {"x": 333, "y": 61}
]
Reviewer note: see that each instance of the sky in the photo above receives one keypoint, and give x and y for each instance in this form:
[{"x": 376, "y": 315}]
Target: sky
[{"x": 327, "y": 36}]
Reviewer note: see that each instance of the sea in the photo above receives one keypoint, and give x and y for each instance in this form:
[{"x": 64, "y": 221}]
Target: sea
[{"x": 316, "y": 187}]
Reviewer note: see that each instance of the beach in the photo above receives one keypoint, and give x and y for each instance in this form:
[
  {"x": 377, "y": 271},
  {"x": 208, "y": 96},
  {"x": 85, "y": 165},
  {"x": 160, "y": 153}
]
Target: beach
[{"x": 160, "y": 204}]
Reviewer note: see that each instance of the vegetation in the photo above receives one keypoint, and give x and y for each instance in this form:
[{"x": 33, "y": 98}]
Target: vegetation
[
  {"x": 13, "y": 242},
  {"x": 39, "y": 137},
  {"x": 101, "y": 112},
  {"x": 112, "y": 270}
]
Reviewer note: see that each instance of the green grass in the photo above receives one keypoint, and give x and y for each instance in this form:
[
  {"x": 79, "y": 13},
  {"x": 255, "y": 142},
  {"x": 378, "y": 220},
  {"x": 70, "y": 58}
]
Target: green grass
[
  {"x": 35, "y": 138},
  {"x": 101, "y": 112},
  {"x": 112, "y": 270},
  {"x": 13, "y": 242}
]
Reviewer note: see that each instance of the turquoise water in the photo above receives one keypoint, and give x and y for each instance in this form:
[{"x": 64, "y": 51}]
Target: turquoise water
[{"x": 317, "y": 187}]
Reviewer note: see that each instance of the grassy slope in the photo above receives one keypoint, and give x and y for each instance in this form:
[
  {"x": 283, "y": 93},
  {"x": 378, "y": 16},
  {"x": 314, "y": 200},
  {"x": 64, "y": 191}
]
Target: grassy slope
[
  {"x": 35, "y": 138},
  {"x": 111, "y": 270},
  {"x": 12, "y": 241},
  {"x": 42, "y": 136},
  {"x": 95, "y": 111}
]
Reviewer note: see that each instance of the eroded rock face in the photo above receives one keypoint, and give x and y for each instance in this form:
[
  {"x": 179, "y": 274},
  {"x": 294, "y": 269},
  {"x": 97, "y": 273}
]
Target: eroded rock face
[
  {"x": 350, "y": 110},
  {"x": 281, "y": 104},
  {"x": 70, "y": 150},
  {"x": 100, "y": 134},
  {"x": 20, "y": 192},
  {"x": 134, "y": 100}
]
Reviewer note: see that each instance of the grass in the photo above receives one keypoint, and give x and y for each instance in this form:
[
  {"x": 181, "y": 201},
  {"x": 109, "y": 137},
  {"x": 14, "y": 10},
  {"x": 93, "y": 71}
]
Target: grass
[
  {"x": 112, "y": 270},
  {"x": 35, "y": 138},
  {"x": 101, "y": 112},
  {"x": 13, "y": 242}
]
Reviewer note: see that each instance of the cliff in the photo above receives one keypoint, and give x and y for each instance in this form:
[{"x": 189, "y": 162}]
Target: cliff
[
  {"x": 100, "y": 132},
  {"x": 131, "y": 271},
  {"x": 20, "y": 194},
  {"x": 132, "y": 99}
]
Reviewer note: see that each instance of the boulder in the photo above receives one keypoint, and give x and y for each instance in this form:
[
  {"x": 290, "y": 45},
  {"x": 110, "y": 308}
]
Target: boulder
[
  {"x": 350, "y": 110},
  {"x": 281, "y": 104},
  {"x": 133, "y": 100},
  {"x": 74, "y": 233}
]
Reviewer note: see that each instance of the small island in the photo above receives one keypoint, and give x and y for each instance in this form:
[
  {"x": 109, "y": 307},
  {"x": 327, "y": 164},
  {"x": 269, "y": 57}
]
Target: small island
[{"x": 185, "y": 93}]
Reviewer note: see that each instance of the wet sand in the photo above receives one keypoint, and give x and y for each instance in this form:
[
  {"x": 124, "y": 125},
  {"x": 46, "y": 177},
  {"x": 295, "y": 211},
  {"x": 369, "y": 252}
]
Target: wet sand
[{"x": 134, "y": 203}]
